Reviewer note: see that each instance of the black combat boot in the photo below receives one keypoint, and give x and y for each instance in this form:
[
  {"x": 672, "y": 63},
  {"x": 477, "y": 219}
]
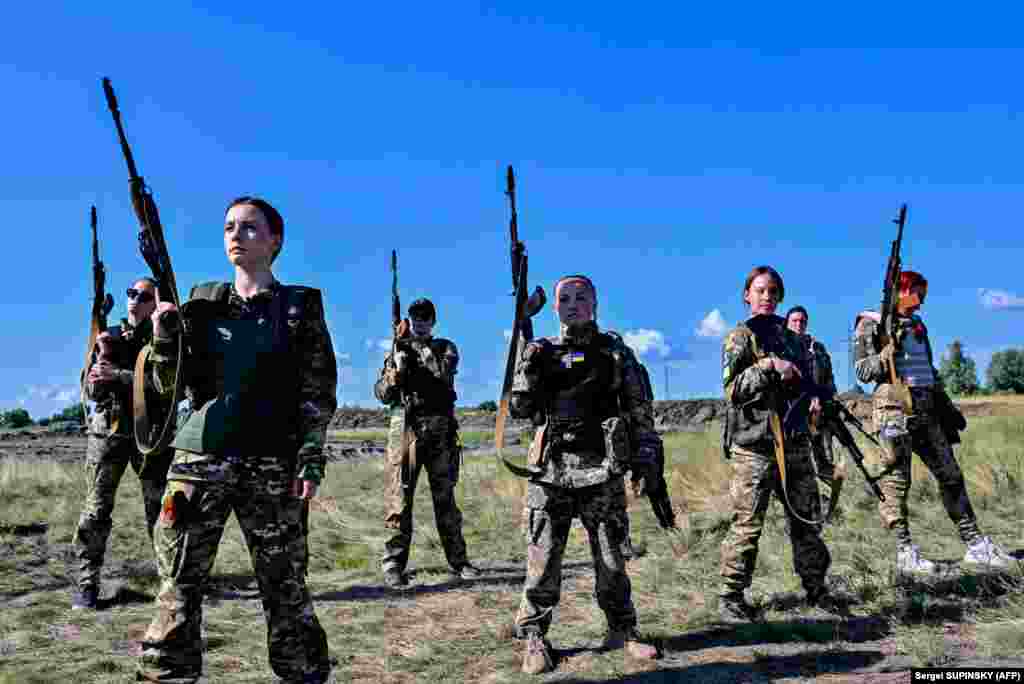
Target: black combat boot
[
  {"x": 733, "y": 608},
  {"x": 86, "y": 598},
  {"x": 395, "y": 578}
]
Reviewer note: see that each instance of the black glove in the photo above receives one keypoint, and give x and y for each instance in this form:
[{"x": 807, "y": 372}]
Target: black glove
[{"x": 646, "y": 475}]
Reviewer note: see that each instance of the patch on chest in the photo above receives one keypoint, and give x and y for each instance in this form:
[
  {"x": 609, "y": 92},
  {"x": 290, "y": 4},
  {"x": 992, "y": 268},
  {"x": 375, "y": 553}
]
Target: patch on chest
[{"x": 573, "y": 357}]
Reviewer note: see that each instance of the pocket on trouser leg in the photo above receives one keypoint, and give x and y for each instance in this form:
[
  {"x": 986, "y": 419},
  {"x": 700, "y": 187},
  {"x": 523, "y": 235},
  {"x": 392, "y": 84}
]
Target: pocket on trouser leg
[
  {"x": 170, "y": 535},
  {"x": 890, "y": 424}
]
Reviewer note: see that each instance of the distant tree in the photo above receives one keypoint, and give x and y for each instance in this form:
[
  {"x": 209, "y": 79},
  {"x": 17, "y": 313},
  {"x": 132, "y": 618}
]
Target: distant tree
[
  {"x": 488, "y": 406},
  {"x": 73, "y": 412},
  {"x": 958, "y": 372},
  {"x": 1006, "y": 371},
  {"x": 43, "y": 422},
  {"x": 15, "y": 418}
]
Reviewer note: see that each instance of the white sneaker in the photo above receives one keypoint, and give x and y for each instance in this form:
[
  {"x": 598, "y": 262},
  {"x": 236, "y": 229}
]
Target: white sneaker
[
  {"x": 987, "y": 552},
  {"x": 910, "y": 560}
]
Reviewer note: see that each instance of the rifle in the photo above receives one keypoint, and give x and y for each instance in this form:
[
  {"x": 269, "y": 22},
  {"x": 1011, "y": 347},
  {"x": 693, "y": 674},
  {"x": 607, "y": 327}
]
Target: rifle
[
  {"x": 521, "y": 324},
  {"x": 154, "y": 251},
  {"x": 890, "y": 309},
  {"x": 102, "y": 303},
  {"x": 399, "y": 329},
  {"x": 834, "y": 417},
  {"x": 779, "y": 410},
  {"x": 657, "y": 494}
]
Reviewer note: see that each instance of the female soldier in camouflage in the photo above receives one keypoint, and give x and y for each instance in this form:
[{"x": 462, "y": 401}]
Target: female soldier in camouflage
[
  {"x": 261, "y": 380},
  {"x": 761, "y": 359},
  {"x": 111, "y": 446},
  {"x": 591, "y": 394},
  {"x": 929, "y": 427}
]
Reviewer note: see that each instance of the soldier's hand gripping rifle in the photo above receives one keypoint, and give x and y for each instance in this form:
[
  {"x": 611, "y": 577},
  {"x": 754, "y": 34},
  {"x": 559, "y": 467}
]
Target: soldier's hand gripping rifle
[
  {"x": 151, "y": 439},
  {"x": 102, "y": 303},
  {"x": 656, "y": 490},
  {"x": 890, "y": 309},
  {"x": 522, "y": 326}
]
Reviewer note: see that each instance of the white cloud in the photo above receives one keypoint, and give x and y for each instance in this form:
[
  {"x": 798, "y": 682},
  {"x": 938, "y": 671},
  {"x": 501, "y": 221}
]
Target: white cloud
[
  {"x": 713, "y": 325},
  {"x": 57, "y": 393},
  {"x": 647, "y": 342},
  {"x": 67, "y": 395},
  {"x": 382, "y": 344},
  {"x": 1000, "y": 300}
]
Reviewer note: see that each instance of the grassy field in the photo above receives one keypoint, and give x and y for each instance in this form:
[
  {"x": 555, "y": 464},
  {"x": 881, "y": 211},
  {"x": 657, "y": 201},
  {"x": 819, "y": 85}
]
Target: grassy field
[{"x": 439, "y": 630}]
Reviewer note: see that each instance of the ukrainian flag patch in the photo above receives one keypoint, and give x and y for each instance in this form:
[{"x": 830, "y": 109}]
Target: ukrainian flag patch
[{"x": 572, "y": 357}]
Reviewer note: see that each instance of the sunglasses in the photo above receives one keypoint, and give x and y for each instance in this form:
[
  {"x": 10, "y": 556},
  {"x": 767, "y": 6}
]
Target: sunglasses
[{"x": 141, "y": 296}]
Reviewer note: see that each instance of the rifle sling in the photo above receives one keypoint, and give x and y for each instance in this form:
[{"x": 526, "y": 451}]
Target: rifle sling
[
  {"x": 778, "y": 441},
  {"x": 143, "y": 425}
]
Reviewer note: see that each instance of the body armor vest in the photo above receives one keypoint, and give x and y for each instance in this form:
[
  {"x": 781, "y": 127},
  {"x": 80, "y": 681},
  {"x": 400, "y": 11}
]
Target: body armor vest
[
  {"x": 114, "y": 404},
  {"x": 580, "y": 393},
  {"x": 912, "y": 357},
  {"x": 431, "y": 384},
  {"x": 254, "y": 383}
]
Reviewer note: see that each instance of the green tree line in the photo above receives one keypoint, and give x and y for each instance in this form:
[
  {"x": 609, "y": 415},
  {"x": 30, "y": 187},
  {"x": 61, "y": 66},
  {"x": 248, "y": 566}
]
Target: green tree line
[{"x": 1005, "y": 372}]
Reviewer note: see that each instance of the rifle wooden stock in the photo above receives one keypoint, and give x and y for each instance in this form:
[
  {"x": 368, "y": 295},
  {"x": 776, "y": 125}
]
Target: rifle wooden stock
[
  {"x": 154, "y": 250},
  {"x": 102, "y": 303}
]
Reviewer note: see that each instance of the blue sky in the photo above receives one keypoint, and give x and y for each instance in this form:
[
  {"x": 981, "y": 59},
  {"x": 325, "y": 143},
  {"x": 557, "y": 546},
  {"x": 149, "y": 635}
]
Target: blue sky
[{"x": 662, "y": 151}]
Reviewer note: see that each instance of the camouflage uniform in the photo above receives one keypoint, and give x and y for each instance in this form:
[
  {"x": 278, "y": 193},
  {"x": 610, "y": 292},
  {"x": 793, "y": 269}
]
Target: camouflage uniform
[
  {"x": 261, "y": 379},
  {"x": 593, "y": 398},
  {"x": 422, "y": 435},
  {"x": 748, "y": 442},
  {"x": 110, "y": 448},
  {"x": 922, "y": 431}
]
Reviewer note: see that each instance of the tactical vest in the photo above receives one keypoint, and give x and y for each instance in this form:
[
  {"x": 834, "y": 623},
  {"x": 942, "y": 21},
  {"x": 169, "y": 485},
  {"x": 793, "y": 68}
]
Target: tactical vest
[
  {"x": 913, "y": 357},
  {"x": 115, "y": 408},
  {"x": 431, "y": 387},
  {"x": 748, "y": 426},
  {"x": 581, "y": 392},
  {"x": 252, "y": 397}
]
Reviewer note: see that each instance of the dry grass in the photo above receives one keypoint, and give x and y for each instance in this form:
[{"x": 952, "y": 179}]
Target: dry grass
[{"x": 441, "y": 631}]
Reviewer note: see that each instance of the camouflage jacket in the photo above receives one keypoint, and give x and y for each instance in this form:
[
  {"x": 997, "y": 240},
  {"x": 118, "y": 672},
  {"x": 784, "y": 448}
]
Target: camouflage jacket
[
  {"x": 114, "y": 399},
  {"x": 309, "y": 344},
  {"x": 629, "y": 403},
  {"x": 427, "y": 385},
  {"x": 747, "y": 386},
  {"x": 821, "y": 364}
]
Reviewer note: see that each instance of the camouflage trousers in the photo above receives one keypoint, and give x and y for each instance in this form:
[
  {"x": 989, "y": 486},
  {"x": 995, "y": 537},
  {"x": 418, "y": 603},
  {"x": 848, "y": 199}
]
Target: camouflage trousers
[
  {"x": 824, "y": 456},
  {"x": 423, "y": 444},
  {"x": 755, "y": 477},
  {"x": 106, "y": 459},
  {"x": 186, "y": 537},
  {"x": 548, "y": 518},
  {"x": 925, "y": 437}
]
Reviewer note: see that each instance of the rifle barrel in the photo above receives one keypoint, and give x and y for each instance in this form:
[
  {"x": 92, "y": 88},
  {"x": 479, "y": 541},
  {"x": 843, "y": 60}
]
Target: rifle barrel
[{"x": 108, "y": 90}]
